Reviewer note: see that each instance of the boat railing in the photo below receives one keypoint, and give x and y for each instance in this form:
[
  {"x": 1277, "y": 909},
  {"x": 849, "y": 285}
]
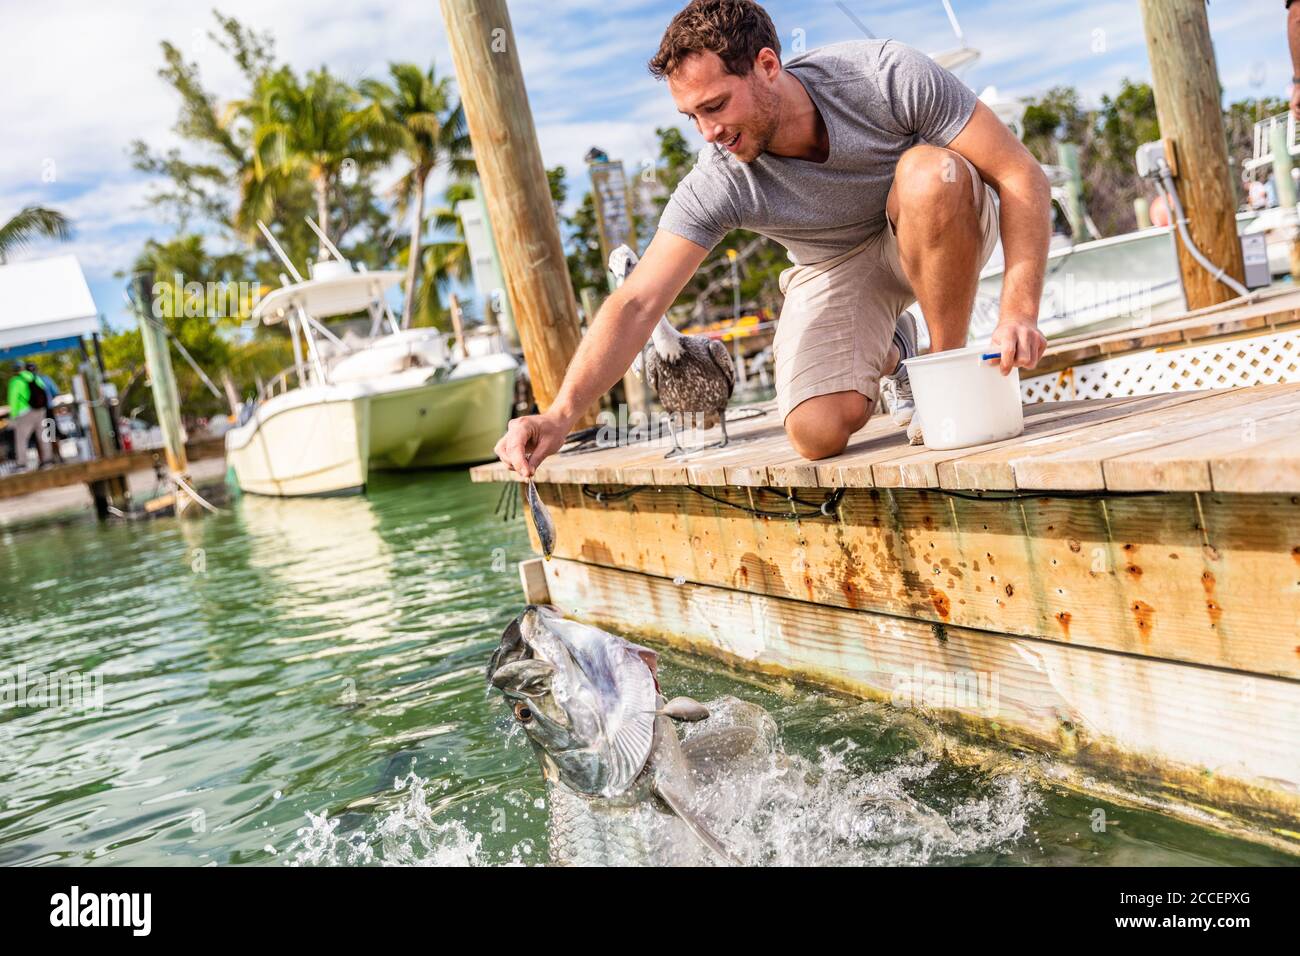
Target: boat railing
[
  {"x": 1263, "y": 138},
  {"x": 278, "y": 385}
]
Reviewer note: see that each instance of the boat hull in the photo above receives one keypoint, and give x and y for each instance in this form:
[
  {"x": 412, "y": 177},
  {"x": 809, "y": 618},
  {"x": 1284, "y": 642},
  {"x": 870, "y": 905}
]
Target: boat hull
[
  {"x": 328, "y": 442},
  {"x": 308, "y": 449},
  {"x": 454, "y": 422}
]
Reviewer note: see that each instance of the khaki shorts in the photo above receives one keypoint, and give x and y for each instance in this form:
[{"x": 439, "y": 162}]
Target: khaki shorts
[{"x": 839, "y": 315}]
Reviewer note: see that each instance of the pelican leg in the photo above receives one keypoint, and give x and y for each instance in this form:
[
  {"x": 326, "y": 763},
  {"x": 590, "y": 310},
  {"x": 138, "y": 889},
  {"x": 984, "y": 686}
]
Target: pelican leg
[
  {"x": 722, "y": 423},
  {"x": 677, "y": 448}
]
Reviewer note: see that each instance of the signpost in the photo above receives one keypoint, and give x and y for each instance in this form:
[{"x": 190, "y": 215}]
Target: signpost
[{"x": 613, "y": 201}]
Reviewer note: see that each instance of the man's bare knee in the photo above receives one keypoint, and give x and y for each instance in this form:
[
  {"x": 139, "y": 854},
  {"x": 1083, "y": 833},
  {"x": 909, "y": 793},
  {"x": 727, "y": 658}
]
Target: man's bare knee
[
  {"x": 935, "y": 180},
  {"x": 820, "y": 427}
]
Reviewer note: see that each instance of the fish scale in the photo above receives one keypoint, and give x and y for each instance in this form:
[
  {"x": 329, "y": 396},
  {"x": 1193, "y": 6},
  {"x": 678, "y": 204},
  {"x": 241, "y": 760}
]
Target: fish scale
[{"x": 584, "y": 832}]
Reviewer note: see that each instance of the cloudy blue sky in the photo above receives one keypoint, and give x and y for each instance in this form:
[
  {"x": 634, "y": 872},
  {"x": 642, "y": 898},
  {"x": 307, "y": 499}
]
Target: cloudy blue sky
[{"x": 81, "y": 77}]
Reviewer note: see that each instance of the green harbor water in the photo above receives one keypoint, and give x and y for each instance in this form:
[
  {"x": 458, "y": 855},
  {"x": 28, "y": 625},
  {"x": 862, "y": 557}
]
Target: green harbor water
[{"x": 302, "y": 682}]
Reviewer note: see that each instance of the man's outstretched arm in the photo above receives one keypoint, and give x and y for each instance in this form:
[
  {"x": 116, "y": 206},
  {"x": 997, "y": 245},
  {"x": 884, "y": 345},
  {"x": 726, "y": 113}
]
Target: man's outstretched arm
[{"x": 615, "y": 336}]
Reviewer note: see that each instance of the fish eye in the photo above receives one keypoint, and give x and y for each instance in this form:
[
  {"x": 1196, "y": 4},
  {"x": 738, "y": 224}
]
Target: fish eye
[{"x": 523, "y": 713}]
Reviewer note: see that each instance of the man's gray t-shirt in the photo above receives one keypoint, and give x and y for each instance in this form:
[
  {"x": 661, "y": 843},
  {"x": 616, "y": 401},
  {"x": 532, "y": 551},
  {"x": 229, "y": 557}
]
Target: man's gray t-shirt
[{"x": 877, "y": 98}]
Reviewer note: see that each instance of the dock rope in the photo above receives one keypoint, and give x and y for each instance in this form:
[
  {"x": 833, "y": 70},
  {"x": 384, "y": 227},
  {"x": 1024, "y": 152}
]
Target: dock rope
[
  {"x": 1030, "y": 493},
  {"x": 197, "y": 498},
  {"x": 825, "y": 508},
  {"x": 508, "y": 508}
]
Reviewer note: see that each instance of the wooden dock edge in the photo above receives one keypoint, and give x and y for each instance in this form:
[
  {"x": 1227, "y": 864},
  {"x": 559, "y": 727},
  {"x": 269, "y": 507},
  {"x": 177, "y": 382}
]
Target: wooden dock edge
[
  {"x": 1220, "y": 747},
  {"x": 1206, "y": 579},
  {"x": 1271, "y": 311},
  {"x": 99, "y": 469}
]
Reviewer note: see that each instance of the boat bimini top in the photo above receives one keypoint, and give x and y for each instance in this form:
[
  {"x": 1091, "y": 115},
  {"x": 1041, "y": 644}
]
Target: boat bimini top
[{"x": 329, "y": 292}]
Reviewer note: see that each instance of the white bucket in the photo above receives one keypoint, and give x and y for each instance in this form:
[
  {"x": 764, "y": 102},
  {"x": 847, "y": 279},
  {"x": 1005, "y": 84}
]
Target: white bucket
[{"x": 963, "y": 400}]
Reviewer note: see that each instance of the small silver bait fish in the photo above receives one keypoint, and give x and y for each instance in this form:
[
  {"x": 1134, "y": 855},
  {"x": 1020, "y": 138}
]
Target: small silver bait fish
[{"x": 542, "y": 522}]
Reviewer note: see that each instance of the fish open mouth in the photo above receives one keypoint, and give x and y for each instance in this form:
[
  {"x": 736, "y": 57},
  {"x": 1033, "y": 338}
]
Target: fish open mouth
[{"x": 513, "y": 647}]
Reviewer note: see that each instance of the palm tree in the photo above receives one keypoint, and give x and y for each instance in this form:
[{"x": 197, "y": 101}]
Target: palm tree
[
  {"x": 312, "y": 130},
  {"x": 33, "y": 222},
  {"x": 433, "y": 133},
  {"x": 446, "y": 261}
]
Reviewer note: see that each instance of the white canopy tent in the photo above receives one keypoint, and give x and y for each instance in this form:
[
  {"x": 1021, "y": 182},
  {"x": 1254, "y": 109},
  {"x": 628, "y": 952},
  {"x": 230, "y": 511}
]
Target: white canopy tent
[{"x": 44, "y": 304}]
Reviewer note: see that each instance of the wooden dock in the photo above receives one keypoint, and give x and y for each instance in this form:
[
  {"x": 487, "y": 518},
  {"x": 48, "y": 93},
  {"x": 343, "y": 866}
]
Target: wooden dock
[
  {"x": 98, "y": 470},
  {"x": 1118, "y": 587}
]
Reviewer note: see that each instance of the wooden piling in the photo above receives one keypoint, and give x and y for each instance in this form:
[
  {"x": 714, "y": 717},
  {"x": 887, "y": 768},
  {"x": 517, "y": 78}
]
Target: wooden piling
[
  {"x": 166, "y": 400},
  {"x": 457, "y": 323},
  {"x": 1286, "y": 192},
  {"x": 110, "y": 492},
  {"x": 1186, "y": 82},
  {"x": 1068, "y": 156},
  {"x": 515, "y": 190}
]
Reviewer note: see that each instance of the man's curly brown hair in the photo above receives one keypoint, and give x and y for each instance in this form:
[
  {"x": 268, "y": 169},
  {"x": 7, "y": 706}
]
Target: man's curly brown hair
[{"x": 736, "y": 30}]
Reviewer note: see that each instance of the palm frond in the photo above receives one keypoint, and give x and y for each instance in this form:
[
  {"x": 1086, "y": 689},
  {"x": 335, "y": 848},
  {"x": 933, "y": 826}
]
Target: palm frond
[{"x": 30, "y": 224}]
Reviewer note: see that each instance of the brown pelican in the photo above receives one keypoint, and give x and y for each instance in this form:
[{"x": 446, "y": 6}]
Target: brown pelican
[{"x": 690, "y": 374}]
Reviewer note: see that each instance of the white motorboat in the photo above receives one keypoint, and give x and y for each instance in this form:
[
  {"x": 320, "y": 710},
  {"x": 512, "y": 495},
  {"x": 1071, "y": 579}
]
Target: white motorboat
[
  {"x": 392, "y": 400},
  {"x": 1125, "y": 281}
]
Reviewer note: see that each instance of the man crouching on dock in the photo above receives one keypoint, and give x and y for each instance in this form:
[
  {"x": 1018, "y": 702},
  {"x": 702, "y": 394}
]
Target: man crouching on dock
[{"x": 876, "y": 168}]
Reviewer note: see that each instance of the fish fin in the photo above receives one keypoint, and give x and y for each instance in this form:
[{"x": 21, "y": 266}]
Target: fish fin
[
  {"x": 710, "y": 750},
  {"x": 648, "y": 657},
  {"x": 674, "y": 802},
  {"x": 512, "y": 639},
  {"x": 631, "y": 730}
]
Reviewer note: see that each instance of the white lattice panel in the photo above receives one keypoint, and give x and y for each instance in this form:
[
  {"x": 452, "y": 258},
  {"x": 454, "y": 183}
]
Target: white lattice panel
[{"x": 1260, "y": 360}]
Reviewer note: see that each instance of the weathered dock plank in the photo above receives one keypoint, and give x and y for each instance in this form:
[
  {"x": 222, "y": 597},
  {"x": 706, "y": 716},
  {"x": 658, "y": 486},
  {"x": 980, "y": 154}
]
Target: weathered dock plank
[
  {"x": 99, "y": 469},
  {"x": 1243, "y": 450},
  {"x": 1206, "y": 579},
  {"x": 1080, "y": 465},
  {"x": 1066, "y": 446}
]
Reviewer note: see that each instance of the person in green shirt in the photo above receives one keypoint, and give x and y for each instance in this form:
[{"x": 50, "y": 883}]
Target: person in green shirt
[{"x": 28, "y": 407}]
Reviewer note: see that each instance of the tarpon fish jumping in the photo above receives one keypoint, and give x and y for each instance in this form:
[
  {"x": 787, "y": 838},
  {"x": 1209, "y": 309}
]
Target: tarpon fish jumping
[{"x": 620, "y": 783}]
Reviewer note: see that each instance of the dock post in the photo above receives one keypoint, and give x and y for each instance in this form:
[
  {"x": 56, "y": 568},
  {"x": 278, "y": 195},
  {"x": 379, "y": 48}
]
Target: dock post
[
  {"x": 166, "y": 401},
  {"x": 1286, "y": 192},
  {"x": 515, "y": 190},
  {"x": 107, "y": 493},
  {"x": 1068, "y": 156},
  {"x": 1186, "y": 82},
  {"x": 457, "y": 323}
]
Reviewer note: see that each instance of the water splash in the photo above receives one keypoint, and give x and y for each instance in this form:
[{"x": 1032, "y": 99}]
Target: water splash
[
  {"x": 408, "y": 835},
  {"x": 840, "y": 807}
]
